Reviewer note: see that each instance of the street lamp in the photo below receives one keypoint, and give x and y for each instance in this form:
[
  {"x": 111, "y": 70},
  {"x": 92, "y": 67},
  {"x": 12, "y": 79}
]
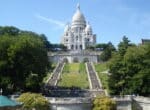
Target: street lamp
[{"x": 1, "y": 91}]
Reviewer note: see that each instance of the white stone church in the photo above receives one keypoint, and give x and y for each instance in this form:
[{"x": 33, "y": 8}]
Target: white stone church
[{"x": 78, "y": 35}]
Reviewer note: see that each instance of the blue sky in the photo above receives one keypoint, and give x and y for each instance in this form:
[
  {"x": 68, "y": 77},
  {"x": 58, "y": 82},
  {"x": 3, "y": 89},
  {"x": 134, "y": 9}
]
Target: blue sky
[{"x": 110, "y": 19}]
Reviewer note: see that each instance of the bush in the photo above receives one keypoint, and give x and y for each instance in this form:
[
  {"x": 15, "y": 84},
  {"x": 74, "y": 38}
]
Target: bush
[
  {"x": 33, "y": 101},
  {"x": 104, "y": 103}
]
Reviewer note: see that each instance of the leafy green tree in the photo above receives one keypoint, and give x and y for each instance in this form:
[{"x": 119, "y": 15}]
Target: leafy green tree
[
  {"x": 130, "y": 73},
  {"x": 91, "y": 48},
  {"x": 104, "y": 103},
  {"x": 107, "y": 51},
  {"x": 9, "y": 30},
  {"x": 101, "y": 46},
  {"x": 31, "y": 82},
  {"x": 47, "y": 44},
  {"x": 116, "y": 78},
  {"x": 137, "y": 61},
  {"x": 106, "y": 54},
  {"x": 58, "y": 47},
  {"x": 22, "y": 54},
  {"x": 33, "y": 101},
  {"x": 123, "y": 45}
]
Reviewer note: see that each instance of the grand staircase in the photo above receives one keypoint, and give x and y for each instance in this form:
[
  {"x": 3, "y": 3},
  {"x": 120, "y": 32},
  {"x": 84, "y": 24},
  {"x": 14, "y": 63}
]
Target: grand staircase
[
  {"x": 52, "y": 89},
  {"x": 95, "y": 83},
  {"x": 55, "y": 75}
]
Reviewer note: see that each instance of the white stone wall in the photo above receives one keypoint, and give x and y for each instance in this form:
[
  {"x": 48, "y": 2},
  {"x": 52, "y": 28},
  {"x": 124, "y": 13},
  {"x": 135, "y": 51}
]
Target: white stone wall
[
  {"x": 144, "y": 102},
  {"x": 70, "y": 58}
]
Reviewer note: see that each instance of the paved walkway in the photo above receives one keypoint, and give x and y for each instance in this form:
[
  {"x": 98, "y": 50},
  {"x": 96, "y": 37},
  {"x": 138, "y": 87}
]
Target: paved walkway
[
  {"x": 56, "y": 74},
  {"x": 95, "y": 84}
]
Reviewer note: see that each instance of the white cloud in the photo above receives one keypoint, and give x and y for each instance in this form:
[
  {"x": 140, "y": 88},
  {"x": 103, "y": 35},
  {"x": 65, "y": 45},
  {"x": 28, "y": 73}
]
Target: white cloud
[{"x": 57, "y": 23}]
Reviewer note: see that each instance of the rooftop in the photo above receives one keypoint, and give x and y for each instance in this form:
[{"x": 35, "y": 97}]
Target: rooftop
[{"x": 4, "y": 101}]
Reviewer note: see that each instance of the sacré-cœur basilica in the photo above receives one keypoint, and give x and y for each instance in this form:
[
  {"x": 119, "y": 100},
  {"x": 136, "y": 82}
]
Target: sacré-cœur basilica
[{"x": 78, "y": 35}]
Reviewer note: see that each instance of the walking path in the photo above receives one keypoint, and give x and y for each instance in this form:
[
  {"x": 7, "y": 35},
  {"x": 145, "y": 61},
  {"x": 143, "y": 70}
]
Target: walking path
[
  {"x": 93, "y": 78},
  {"x": 55, "y": 75}
]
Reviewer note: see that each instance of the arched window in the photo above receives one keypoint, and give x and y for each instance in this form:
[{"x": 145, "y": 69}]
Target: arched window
[
  {"x": 88, "y": 40},
  {"x": 72, "y": 47},
  {"x": 65, "y": 60},
  {"x": 76, "y": 38},
  {"x": 75, "y": 60},
  {"x": 81, "y": 47},
  {"x": 85, "y": 60},
  {"x": 66, "y": 34}
]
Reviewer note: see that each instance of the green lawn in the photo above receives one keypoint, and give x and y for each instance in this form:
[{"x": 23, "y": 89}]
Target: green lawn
[
  {"x": 103, "y": 76},
  {"x": 100, "y": 67},
  {"x": 74, "y": 75}
]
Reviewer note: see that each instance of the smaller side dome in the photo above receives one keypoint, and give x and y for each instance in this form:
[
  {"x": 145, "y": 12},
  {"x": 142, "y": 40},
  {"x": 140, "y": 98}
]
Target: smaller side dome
[
  {"x": 67, "y": 28},
  {"x": 88, "y": 28}
]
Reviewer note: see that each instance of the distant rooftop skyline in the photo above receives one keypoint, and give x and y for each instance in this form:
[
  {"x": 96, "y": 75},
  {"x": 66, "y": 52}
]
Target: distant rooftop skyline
[{"x": 110, "y": 19}]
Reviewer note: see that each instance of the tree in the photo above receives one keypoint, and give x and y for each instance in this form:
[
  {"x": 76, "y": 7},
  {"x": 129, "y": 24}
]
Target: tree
[
  {"x": 137, "y": 61},
  {"x": 101, "y": 46},
  {"x": 104, "y": 103},
  {"x": 31, "y": 82},
  {"x": 22, "y": 55},
  {"x": 111, "y": 46},
  {"x": 9, "y": 30},
  {"x": 130, "y": 73},
  {"x": 90, "y": 47},
  {"x": 27, "y": 56},
  {"x": 118, "y": 70},
  {"x": 33, "y": 101},
  {"x": 47, "y": 44},
  {"x": 122, "y": 47},
  {"x": 106, "y": 55},
  {"x": 108, "y": 49},
  {"x": 117, "y": 76},
  {"x": 58, "y": 47}
]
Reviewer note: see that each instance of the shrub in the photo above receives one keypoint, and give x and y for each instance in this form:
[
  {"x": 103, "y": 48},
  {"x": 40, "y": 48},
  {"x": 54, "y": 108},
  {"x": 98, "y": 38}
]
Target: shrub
[
  {"x": 33, "y": 101},
  {"x": 104, "y": 103}
]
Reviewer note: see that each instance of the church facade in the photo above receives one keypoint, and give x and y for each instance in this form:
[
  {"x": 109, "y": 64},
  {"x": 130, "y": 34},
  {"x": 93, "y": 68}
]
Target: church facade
[{"x": 78, "y": 35}]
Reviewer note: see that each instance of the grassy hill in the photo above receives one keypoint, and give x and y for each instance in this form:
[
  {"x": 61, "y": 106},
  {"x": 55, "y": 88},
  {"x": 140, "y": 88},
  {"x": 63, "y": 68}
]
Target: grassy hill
[
  {"x": 100, "y": 69},
  {"x": 74, "y": 75}
]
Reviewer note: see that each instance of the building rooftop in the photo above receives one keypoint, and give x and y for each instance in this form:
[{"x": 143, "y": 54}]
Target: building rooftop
[
  {"x": 144, "y": 41},
  {"x": 4, "y": 101}
]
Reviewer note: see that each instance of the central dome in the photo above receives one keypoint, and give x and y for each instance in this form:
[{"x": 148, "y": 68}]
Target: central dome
[{"x": 78, "y": 17}]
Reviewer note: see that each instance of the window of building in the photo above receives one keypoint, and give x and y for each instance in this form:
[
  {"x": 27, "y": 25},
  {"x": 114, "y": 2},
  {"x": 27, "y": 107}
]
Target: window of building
[
  {"x": 81, "y": 47},
  {"x": 88, "y": 40},
  {"x": 66, "y": 34},
  {"x": 76, "y": 38},
  {"x": 72, "y": 47}
]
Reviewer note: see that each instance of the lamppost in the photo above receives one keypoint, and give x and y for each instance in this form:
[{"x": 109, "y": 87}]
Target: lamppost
[{"x": 1, "y": 91}]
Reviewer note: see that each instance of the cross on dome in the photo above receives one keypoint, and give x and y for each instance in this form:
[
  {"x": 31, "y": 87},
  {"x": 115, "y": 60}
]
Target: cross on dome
[{"x": 78, "y": 6}]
